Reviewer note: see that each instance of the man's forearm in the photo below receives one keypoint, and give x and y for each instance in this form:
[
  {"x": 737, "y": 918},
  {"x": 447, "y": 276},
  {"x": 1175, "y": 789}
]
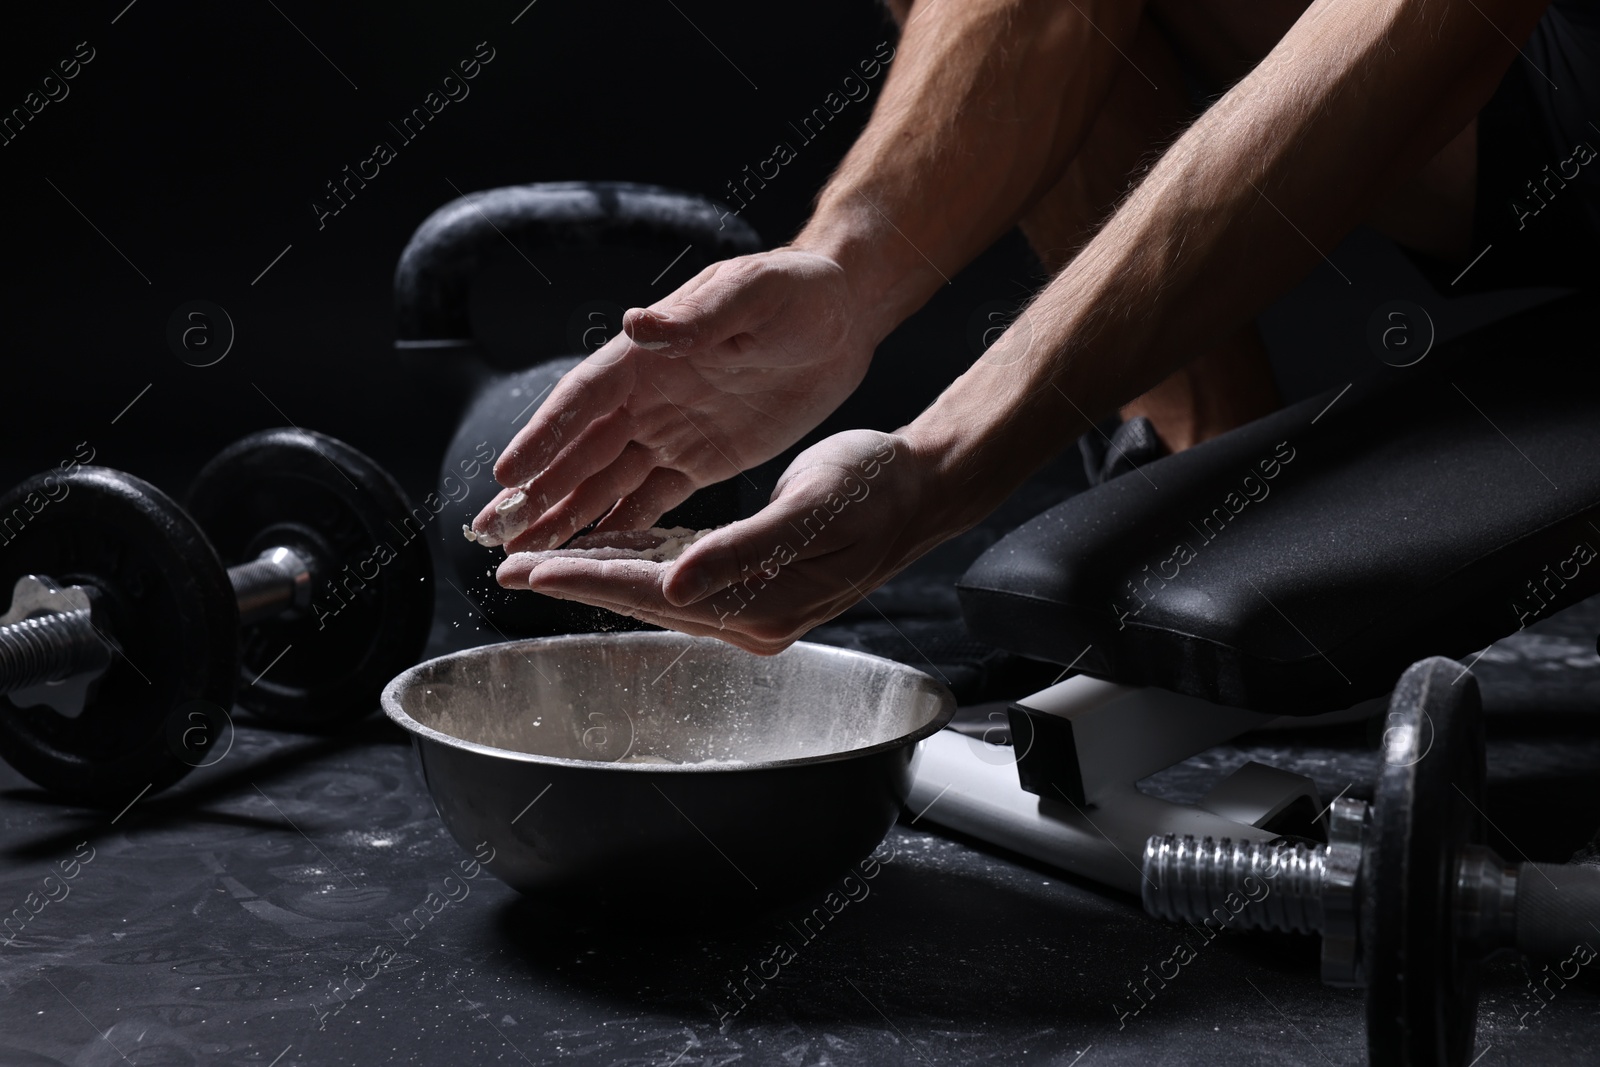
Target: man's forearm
[
  {"x": 985, "y": 104},
  {"x": 1353, "y": 99}
]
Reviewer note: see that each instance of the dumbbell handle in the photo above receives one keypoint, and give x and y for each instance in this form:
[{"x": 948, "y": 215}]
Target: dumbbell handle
[
  {"x": 54, "y": 647},
  {"x": 1558, "y": 909},
  {"x": 272, "y": 583}
]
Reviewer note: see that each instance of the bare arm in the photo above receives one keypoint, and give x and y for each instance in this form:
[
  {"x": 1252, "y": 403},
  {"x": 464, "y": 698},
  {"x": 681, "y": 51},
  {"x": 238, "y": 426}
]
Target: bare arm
[
  {"x": 1354, "y": 98},
  {"x": 986, "y": 103}
]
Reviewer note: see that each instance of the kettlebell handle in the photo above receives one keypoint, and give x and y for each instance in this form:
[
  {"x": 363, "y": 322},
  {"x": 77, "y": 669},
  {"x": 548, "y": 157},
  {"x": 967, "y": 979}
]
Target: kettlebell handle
[{"x": 435, "y": 273}]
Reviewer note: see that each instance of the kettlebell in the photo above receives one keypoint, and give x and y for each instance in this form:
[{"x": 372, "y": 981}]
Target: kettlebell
[{"x": 643, "y": 241}]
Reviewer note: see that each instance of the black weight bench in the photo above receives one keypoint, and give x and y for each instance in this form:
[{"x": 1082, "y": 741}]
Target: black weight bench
[
  {"x": 1293, "y": 567},
  {"x": 1300, "y": 563}
]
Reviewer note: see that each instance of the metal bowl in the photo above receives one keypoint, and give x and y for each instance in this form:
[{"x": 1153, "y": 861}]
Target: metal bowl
[{"x": 666, "y": 769}]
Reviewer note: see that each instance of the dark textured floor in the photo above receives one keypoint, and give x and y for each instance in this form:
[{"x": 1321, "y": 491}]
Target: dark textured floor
[{"x": 212, "y": 923}]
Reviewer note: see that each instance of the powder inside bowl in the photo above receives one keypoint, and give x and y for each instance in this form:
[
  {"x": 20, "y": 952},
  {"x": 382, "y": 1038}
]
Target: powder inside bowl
[{"x": 699, "y": 703}]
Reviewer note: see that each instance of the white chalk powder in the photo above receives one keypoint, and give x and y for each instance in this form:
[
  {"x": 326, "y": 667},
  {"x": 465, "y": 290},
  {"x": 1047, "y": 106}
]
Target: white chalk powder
[
  {"x": 654, "y": 545},
  {"x": 505, "y": 522}
]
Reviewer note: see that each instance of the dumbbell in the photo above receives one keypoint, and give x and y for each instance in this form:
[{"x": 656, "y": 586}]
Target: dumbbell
[
  {"x": 599, "y": 247},
  {"x": 298, "y": 580},
  {"x": 1407, "y": 897}
]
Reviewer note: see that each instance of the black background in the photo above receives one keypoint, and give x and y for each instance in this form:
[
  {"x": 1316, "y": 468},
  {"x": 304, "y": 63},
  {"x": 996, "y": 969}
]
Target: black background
[{"x": 199, "y": 135}]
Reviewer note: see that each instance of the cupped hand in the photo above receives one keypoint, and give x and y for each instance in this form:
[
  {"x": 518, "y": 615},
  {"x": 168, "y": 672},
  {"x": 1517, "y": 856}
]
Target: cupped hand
[
  {"x": 723, "y": 374},
  {"x": 849, "y": 513}
]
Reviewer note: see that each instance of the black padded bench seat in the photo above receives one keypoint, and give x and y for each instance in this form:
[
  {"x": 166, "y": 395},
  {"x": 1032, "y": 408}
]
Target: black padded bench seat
[{"x": 1298, "y": 564}]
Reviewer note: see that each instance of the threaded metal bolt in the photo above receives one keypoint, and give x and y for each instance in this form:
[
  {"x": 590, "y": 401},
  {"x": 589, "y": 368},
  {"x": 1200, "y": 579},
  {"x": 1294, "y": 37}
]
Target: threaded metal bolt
[
  {"x": 1249, "y": 885},
  {"x": 48, "y": 648},
  {"x": 1293, "y": 886}
]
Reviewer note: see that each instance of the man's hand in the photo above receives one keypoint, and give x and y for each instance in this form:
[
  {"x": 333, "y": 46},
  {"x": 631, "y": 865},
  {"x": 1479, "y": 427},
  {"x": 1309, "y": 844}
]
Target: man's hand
[
  {"x": 849, "y": 513},
  {"x": 724, "y": 374},
  {"x": 974, "y": 123}
]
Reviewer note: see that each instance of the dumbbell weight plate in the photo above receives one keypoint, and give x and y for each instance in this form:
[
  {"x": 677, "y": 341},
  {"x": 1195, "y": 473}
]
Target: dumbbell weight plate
[
  {"x": 372, "y": 598},
  {"x": 164, "y": 598},
  {"x": 1422, "y": 988}
]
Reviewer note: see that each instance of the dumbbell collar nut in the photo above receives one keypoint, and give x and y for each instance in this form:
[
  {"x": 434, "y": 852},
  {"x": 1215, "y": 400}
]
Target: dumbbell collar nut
[
  {"x": 1341, "y": 916},
  {"x": 1485, "y": 900},
  {"x": 37, "y": 595}
]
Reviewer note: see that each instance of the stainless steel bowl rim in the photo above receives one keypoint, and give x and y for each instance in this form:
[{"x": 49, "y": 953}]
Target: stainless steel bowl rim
[{"x": 391, "y": 707}]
